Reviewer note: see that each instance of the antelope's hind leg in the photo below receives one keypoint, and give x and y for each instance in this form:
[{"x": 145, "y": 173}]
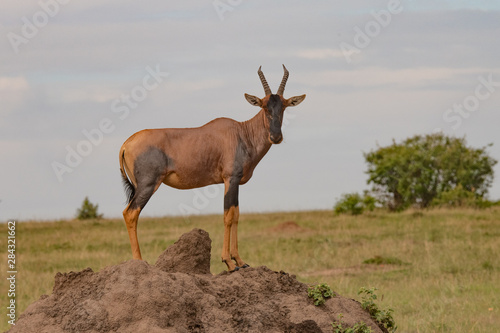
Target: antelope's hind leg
[
  {"x": 132, "y": 212},
  {"x": 131, "y": 216},
  {"x": 149, "y": 170}
]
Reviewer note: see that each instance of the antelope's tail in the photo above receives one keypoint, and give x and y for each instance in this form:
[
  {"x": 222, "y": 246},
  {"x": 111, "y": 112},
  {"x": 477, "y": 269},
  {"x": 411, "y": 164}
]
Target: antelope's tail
[{"x": 127, "y": 184}]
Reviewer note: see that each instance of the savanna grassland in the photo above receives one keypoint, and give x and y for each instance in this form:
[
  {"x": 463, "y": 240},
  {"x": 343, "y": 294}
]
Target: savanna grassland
[{"x": 438, "y": 269}]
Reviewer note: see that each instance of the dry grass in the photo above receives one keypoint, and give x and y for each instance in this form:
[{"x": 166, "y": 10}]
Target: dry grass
[{"x": 442, "y": 270}]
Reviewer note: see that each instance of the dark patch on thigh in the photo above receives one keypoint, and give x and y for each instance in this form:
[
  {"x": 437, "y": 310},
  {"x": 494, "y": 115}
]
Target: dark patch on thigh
[{"x": 149, "y": 169}]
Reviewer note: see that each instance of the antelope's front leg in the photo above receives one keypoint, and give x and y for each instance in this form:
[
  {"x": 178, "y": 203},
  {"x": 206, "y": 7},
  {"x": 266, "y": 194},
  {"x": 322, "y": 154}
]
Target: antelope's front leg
[
  {"x": 231, "y": 215},
  {"x": 234, "y": 240},
  {"x": 226, "y": 254}
]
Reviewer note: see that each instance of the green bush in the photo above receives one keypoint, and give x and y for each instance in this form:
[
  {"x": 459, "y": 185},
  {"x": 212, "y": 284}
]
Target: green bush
[
  {"x": 354, "y": 204},
  {"x": 383, "y": 317},
  {"x": 459, "y": 197},
  {"x": 88, "y": 211},
  {"x": 319, "y": 293}
]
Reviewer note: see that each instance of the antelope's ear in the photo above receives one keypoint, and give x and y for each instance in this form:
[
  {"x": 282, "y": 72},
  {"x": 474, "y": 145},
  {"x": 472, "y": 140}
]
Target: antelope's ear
[
  {"x": 253, "y": 100},
  {"x": 295, "y": 100}
]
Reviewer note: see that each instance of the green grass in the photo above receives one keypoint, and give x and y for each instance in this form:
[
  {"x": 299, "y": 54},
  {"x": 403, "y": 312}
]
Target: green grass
[{"x": 449, "y": 282}]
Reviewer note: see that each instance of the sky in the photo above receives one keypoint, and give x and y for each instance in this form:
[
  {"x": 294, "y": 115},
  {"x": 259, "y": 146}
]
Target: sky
[{"x": 77, "y": 78}]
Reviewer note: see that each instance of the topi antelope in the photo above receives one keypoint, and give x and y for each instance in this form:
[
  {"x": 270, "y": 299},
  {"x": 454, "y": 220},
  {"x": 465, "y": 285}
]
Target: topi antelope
[{"x": 221, "y": 151}]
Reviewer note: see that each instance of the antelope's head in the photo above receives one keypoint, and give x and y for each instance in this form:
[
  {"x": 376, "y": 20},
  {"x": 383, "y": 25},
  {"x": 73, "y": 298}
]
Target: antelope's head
[{"x": 274, "y": 105}]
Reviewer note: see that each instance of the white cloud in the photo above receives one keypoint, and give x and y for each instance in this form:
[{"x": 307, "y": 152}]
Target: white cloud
[
  {"x": 13, "y": 84},
  {"x": 94, "y": 92},
  {"x": 12, "y": 92},
  {"x": 400, "y": 78}
]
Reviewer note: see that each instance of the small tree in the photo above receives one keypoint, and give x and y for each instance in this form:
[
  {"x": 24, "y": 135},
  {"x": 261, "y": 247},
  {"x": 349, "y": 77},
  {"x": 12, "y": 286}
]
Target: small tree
[
  {"x": 354, "y": 204},
  {"x": 422, "y": 168},
  {"x": 88, "y": 211}
]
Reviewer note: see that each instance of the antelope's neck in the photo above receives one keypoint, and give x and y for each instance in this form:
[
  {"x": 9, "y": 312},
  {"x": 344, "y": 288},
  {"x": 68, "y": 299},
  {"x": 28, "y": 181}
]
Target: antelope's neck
[{"x": 256, "y": 135}]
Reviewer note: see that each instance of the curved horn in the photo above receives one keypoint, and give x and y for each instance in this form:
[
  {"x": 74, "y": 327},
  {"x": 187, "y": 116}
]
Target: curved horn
[
  {"x": 283, "y": 82},
  {"x": 267, "y": 90}
]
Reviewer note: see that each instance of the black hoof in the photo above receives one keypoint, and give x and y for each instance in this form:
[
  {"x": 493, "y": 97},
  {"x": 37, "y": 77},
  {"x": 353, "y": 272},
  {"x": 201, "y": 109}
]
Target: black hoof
[
  {"x": 245, "y": 266},
  {"x": 235, "y": 269}
]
